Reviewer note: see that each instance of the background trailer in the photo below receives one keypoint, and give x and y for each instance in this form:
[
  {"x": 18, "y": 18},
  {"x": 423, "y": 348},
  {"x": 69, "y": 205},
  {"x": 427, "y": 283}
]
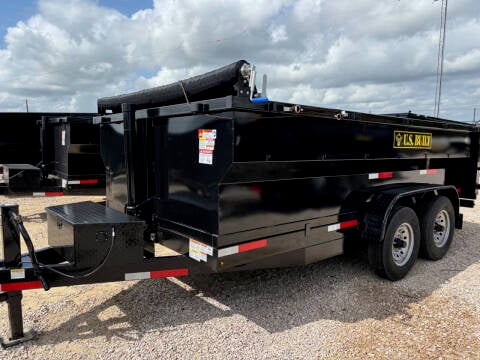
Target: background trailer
[
  {"x": 210, "y": 168},
  {"x": 48, "y": 153},
  {"x": 19, "y": 137}
]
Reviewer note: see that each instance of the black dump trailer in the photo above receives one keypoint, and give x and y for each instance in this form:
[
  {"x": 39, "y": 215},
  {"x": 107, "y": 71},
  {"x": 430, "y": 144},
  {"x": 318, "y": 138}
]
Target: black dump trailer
[
  {"x": 71, "y": 153},
  {"x": 228, "y": 180},
  {"x": 49, "y": 153},
  {"x": 20, "y": 150}
]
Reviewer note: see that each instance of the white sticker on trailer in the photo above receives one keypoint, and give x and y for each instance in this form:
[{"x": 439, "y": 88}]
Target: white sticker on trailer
[
  {"x": 207, "y": 133},
  {"x": 206, "y": 145},
  {"x": 197, "y": 245},
  {"x": 199, "y": 251},
  {"x": 205, "y": 157},
  {"x": 197, "y": 255},
  {"x": 17, "y": 274}
]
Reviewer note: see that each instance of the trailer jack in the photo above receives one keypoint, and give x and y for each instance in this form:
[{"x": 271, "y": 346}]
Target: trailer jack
[
  {"x": 12, "y": 255},
  {"x": 15, "y": 318}
]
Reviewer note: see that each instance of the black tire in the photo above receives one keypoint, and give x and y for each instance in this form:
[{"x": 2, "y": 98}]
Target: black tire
[
  {"x": 381, "y": 253},
  {"x": 436, "y": 214}
]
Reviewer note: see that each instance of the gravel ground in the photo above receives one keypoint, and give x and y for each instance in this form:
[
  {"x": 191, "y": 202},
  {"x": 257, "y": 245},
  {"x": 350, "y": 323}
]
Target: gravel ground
[{"x": 333, "y": 309}]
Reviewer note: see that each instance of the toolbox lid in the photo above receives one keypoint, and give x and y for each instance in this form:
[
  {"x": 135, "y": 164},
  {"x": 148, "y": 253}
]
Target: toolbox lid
[{"x": 87, "y": 213}]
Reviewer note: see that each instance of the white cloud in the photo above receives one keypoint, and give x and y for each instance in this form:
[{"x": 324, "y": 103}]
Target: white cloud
[
  {"x": 365, "y": 55},
  {"x": 278, "y": 34}
]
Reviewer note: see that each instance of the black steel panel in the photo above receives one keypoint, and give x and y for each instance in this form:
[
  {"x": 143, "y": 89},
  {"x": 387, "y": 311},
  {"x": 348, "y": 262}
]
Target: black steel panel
[
  {"x": 112, "y": 152},
  {"x": 292, "y": 258},
  {"x": 190, "y": 195},
  {"x": 19, "y": 138},
  {"x": 294, "y": 138},
  {"x": 295, "y": 257},
  {"x": 258, "y": 204},
  {"x": 324, "y": 251},
  {"x": 76, "y": 148}
]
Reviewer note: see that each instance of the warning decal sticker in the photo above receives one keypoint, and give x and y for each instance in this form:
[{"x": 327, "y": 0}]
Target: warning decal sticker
[
  {"x": 199, "y": 251},
  {"x": 17, "y": 274},
  {"x": 206, "y": 145}
]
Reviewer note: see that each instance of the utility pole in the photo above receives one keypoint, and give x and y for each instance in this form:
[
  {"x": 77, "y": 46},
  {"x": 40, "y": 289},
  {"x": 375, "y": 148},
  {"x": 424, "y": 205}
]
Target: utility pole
[
  {"x": 474, "y": 114},
  {"x": 440, "y": 57},
  {"x": 26, "y": 104}
]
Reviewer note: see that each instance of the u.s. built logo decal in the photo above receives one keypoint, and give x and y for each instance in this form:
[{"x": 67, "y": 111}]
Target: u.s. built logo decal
[{"x": 412, "y": 140}]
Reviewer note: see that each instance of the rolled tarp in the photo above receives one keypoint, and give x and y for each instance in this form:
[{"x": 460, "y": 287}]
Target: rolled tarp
[{"x": 213, "y": 84}]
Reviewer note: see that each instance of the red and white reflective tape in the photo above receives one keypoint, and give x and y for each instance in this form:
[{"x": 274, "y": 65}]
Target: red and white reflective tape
[
  {"x": 342, "y": 225},
  {"x": 19, "y": 286},
  {"x": 48, "y": 193},
  {"x": 429, "y": 172},
  {"x": 156, "y": 274},
  {"x": 258, "y": 244},
  {"x": 83, "y": 182},
  {"x": 382, "y": 175}
]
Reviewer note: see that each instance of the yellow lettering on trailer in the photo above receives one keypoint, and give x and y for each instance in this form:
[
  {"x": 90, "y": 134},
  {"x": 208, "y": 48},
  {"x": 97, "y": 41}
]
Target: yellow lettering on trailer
[{"x": 412, "y": 140}]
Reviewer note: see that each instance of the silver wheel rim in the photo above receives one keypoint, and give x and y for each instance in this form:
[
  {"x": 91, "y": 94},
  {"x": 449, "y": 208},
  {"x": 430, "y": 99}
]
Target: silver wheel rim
[
  {"x": 441, "y": 228},
  {"x": 402, "y": 246}
]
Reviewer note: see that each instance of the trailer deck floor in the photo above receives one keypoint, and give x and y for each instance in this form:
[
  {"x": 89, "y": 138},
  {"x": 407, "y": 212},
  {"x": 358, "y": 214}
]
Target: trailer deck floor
[{"x": 334, "y": 309}]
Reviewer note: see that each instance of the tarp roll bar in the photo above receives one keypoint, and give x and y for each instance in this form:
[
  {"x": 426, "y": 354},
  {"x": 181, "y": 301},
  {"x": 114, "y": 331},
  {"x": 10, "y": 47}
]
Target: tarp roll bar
[{"x": 217, "y": 83}]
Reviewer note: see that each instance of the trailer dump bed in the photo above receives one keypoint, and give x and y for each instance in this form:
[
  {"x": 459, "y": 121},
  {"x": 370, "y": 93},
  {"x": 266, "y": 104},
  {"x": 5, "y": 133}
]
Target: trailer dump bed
[{"x": 227, "y": 172}]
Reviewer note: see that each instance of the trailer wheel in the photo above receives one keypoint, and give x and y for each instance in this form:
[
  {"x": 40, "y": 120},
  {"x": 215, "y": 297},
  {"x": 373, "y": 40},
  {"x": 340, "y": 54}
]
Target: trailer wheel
[
  {"x": 393, "y": 257},
  {"x": 437, "y": 222}
]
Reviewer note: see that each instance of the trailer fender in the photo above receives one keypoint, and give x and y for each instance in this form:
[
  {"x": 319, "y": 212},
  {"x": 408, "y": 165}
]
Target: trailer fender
[{"x": 380, "y": 204}]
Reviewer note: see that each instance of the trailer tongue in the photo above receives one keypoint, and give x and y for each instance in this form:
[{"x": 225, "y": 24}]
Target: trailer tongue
[{"x": 211, "y": 170}]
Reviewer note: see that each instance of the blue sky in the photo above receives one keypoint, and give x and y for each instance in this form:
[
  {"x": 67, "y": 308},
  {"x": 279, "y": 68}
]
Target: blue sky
[
  {"x": 127, "y": 7},
  {"x": 13, "y": 11},
  {"x": 364, "y": 55}
]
